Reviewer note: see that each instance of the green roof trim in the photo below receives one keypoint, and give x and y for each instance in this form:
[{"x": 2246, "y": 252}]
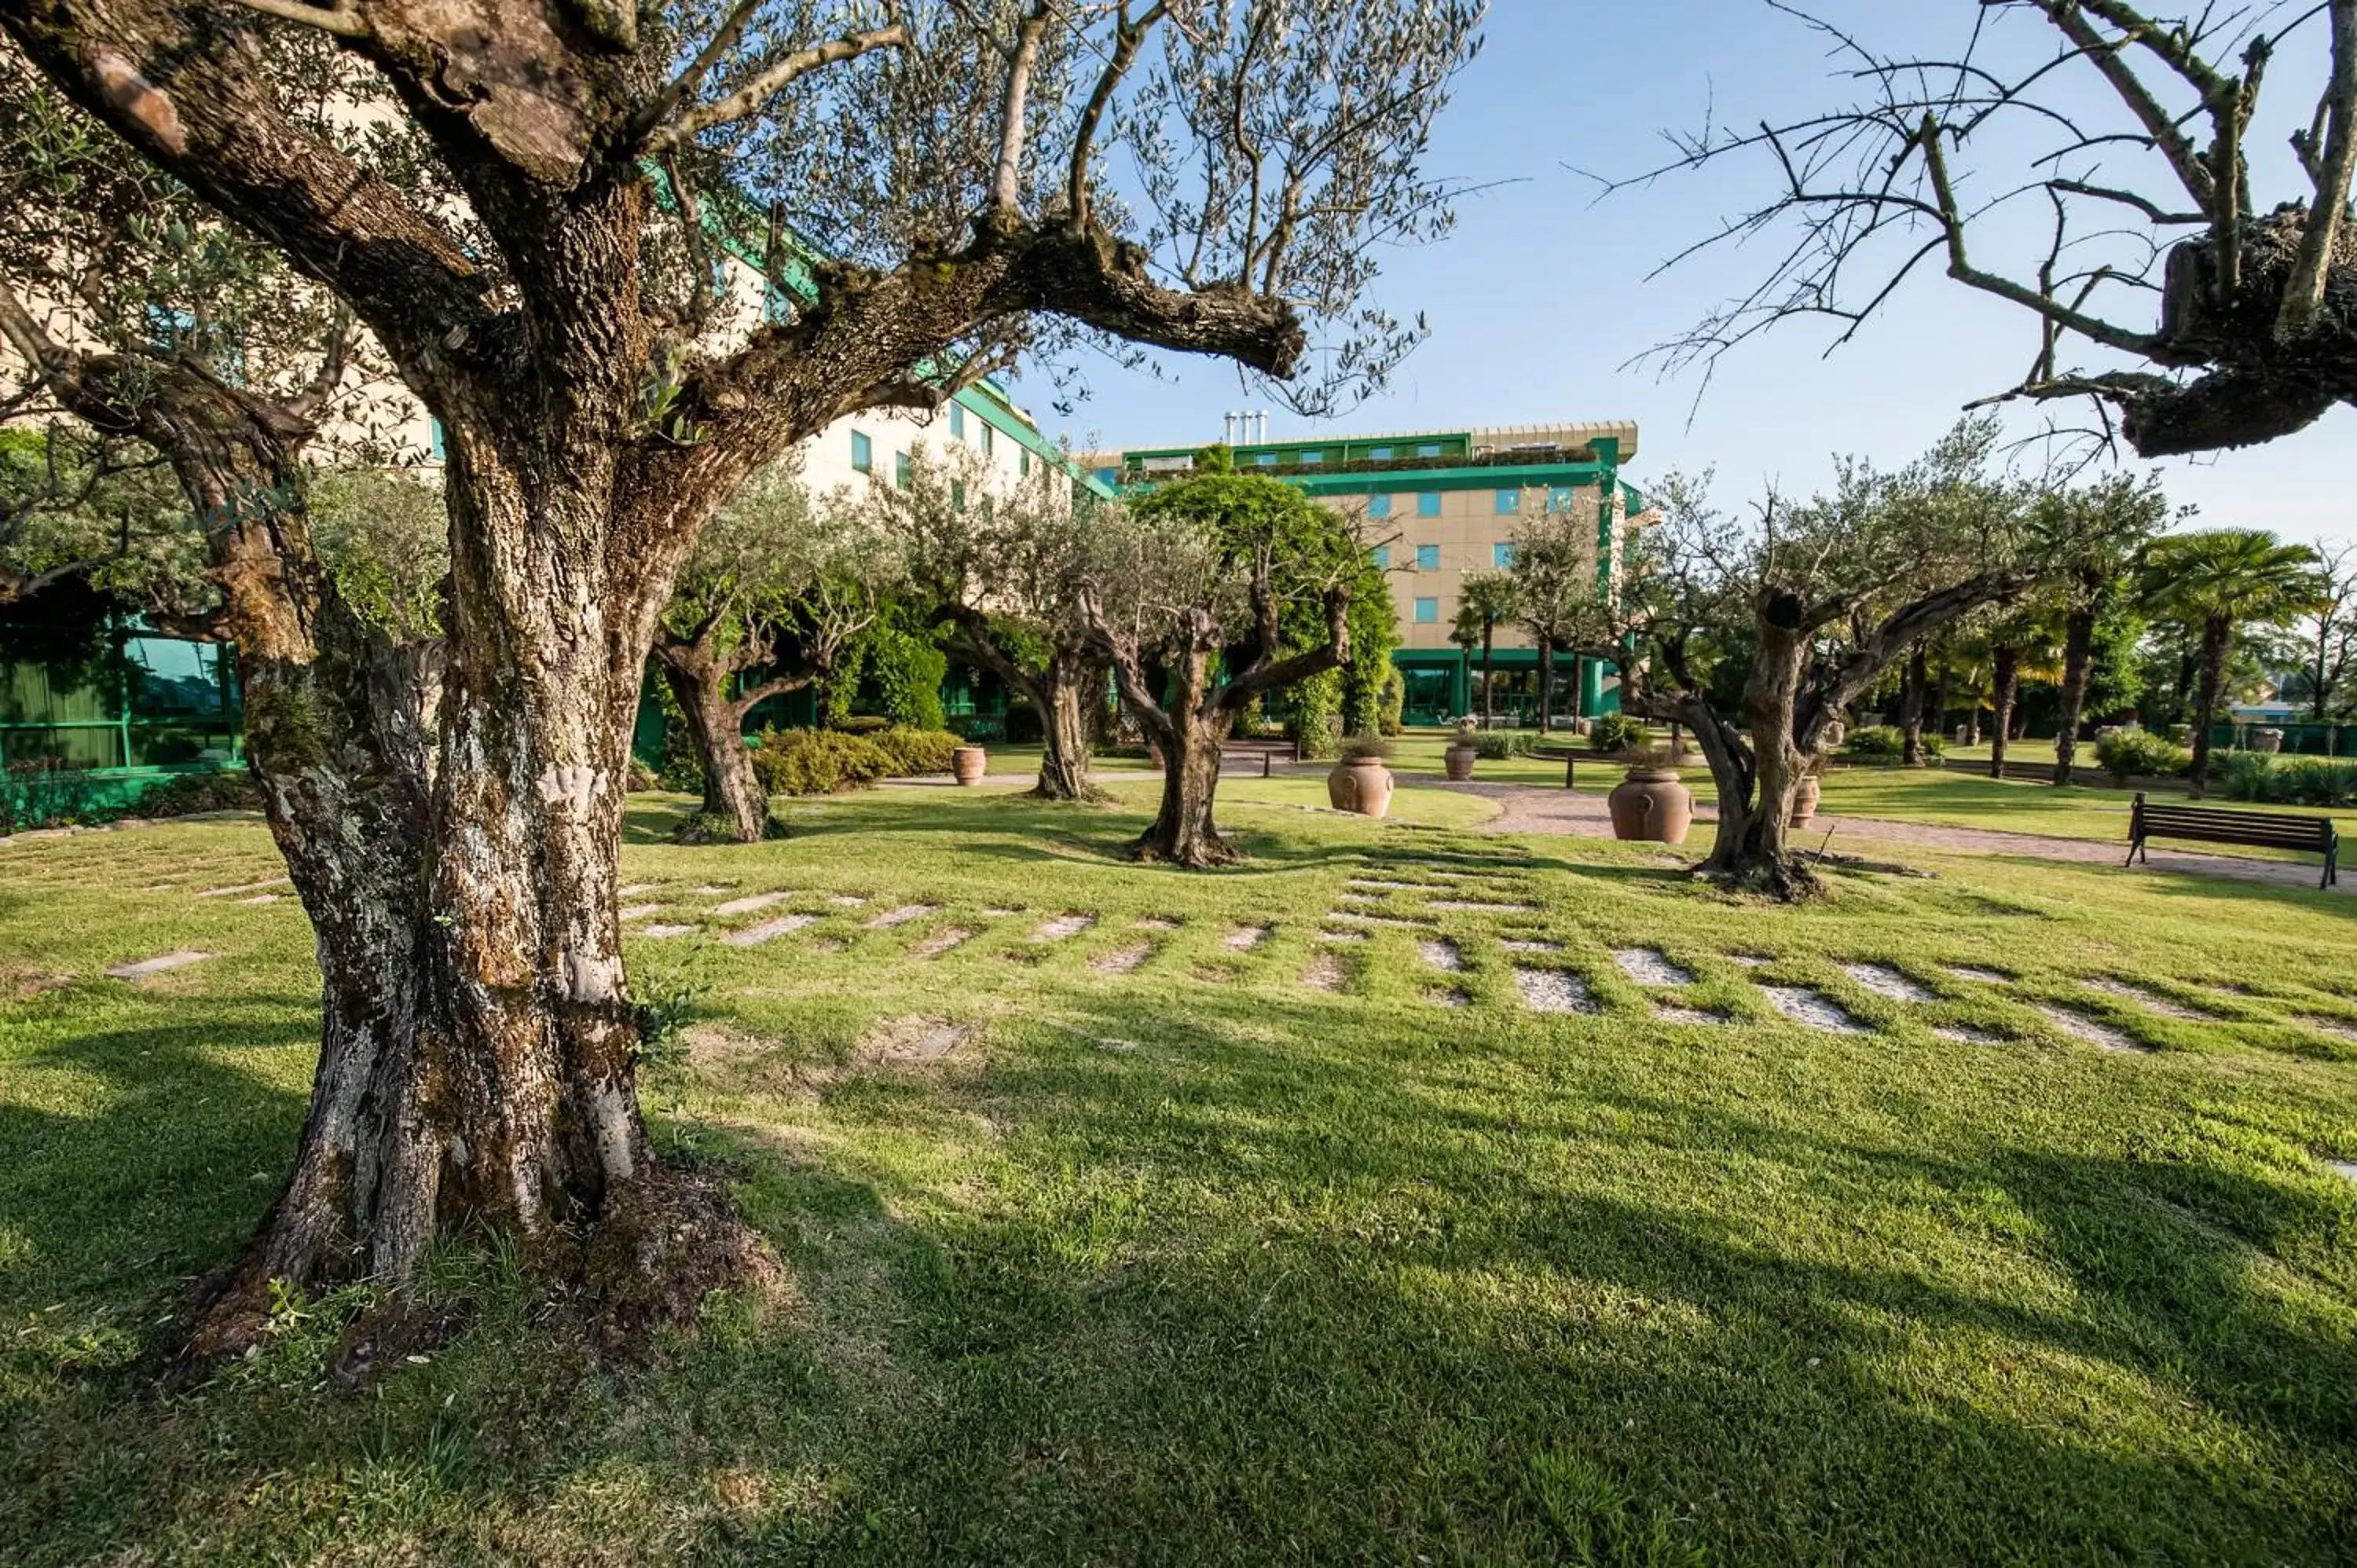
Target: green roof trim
[{"x": 1410, "y": 481}]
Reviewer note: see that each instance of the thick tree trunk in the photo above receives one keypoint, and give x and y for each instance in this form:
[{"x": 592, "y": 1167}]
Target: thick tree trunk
[
  {"x": 2217, "y": 642},
  {"x": 2005, "y": 680},
  {"x": 735, "y": 810},
  {"x": 1936, "y": 716},
  {"x": 1488, "y": 685},
  {"x": 1546, "y": 685},
  {"x": 1915, "y": 685},
  {"x": 1751, "y": 851},
  {"x": 2078, "y": 663},
  {"x": 1064, "y": 697},
  {"x": 1183, "y": 832}
]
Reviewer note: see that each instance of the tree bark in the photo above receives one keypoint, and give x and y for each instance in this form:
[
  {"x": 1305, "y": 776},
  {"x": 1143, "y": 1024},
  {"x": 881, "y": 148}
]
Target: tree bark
[
  {"x": 1547, "y": 684},
  {"x": 1063, "y": 696},
  {"x": 2217, "y": 642},
  {"x": 2005, "y": 680},
  {"x": 1183, "y": 832},
  {"x": 1915, "y": 685},
  {"x": 2078, "y": 664},
  {"x": 735, "y": 810},
  {"x": 1488, "y": 685},
  {"x": 1751, "y": 851}
]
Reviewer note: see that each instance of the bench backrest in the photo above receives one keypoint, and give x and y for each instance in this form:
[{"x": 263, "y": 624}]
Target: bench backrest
[{"x": 2213, "y": 825}]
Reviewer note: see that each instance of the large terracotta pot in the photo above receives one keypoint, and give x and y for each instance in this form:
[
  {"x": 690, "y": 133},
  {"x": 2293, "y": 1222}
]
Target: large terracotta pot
[
  {"x": 2266, "y": 740},
  {"x": 1804, "y": 802},
  {"x": 1359, "y": 784},
  {"x": 968, "y": 762},
  {"x": 1650, "y": 803},
  {"x": 1459, "y": 760}
]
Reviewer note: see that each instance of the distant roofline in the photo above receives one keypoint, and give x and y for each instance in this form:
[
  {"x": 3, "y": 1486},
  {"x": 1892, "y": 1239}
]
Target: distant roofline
[{"x": 1484, "y": 437}]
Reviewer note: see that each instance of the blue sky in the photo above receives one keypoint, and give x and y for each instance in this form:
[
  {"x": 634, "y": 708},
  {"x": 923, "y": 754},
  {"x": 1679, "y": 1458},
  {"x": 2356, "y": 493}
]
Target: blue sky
[{"x": 1542, "y": 292}]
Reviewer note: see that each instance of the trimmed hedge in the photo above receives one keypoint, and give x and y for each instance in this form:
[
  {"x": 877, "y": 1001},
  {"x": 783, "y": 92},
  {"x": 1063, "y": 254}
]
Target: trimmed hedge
[
  {"x": 825, "y": 762},
  {"x": 2287, "y": 780},
  {"x": 2126, "y": 754},
  {"x": 1887, "y": 742}
]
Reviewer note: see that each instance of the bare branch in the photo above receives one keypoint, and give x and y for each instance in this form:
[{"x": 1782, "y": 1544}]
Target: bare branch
[
  {"x": 2304, "y": 290},
  {"x": 769, "y": 83}
]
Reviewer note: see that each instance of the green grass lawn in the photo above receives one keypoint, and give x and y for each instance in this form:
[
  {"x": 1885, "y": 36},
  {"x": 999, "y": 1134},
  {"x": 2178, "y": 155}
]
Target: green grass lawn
[{"x": 1194, "y": 1262}]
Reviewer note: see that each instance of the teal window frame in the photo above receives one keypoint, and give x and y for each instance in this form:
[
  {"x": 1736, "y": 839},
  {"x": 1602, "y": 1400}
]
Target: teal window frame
[
  {"x": 1428, "y": 503},
  {"x": 1427, "y": 612},
  {"x": 1558, "y": 497},
  {"x": 1509, "y": 502},
  {"x": 903, "y": 472},
  {"x": 989, "y": 438},
  {"x": 437, "y": 440},
  {"x": 1502, "y": 554},
  {"x": 1380, "y": 454},
  {"x": 1428, "y": 557},
  {"x": 863, "y": 453},
  {"x": 1382, "y": 554},
  {"x": 1263, "y": 459},
  {"x": 1378, "y": 506},
  {"x": 1429, "y": 449},
  {"x": 957, "y": 420}
]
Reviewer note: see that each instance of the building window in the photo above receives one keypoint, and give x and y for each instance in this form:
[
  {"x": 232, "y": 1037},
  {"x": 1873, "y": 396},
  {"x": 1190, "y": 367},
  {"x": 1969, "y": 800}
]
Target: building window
[
  {"x": 1429, "y": 449},
  {"x": 1312, "y": 459},
  {"x": 957, "y": 420},
  {"x": 1502, "y": 554},
  {"x": 902, "y": 473},
  {"x": 1509, "y": 502},
  {"x": 1024, "y": 468},
  {"x": 1380, "y": 454},
  {"x": 1378, "y": 506},
  {"x": 1558, "y": 497},
  {"x": 1382, "y": 554},
  {"x": 1427, "y": 612},
  {"x": 1108, "y": 477},
  {"x": 957, "y": 494},
  {"x": 1428, "y": 504},
  {"x": 863, "y": 453},
  {"x": 1264, "y": 459},
  {"x": 989, "y": 438},
  {"x": 437, "y": 442},
  {"x": 777, "y": 307},
  {"x": 1428, "y": 557}
]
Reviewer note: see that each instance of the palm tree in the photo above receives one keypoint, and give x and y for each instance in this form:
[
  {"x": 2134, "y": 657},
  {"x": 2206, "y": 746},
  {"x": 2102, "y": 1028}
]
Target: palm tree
[
  {"x": 2217, "y": 582},
  {"x": 1486, "y": 598}
]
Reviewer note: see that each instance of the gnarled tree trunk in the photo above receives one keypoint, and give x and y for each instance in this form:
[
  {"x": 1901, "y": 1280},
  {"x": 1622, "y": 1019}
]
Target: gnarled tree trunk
[
  {"x": 1751, "y": 850},
  {"x": 1183, "y": 832},
  {"x": 2005, "y": 683},
  {"x": 734, "y": 807},
  {"x": 1065, "y": 694}
]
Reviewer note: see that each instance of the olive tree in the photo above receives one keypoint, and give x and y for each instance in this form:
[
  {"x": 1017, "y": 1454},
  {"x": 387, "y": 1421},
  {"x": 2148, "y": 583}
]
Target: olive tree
[
  {"x": 1187, "y": 594},
  {"x": 2216, "y": 291},
  {"x": 777, "y": 589},
  {"x": 1001, "y": 568},
  {"x": 1813, "y": 600},
  {"x": 1557, "y": 596},
  {"x": 525, "y": 230}
]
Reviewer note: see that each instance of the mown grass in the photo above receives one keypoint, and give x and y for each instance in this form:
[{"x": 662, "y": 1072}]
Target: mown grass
[{"x": 1196, "y": 1263}]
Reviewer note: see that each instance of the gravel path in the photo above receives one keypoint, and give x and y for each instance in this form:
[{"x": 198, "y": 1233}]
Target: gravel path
[{"x": 1533, "y": 808}]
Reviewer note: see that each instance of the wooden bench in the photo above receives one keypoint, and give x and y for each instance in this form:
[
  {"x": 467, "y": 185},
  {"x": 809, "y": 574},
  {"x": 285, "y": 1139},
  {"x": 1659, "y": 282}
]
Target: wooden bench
[
  {"x": 2212, "y": 824},
  {"x": 1270, "y": 752}
]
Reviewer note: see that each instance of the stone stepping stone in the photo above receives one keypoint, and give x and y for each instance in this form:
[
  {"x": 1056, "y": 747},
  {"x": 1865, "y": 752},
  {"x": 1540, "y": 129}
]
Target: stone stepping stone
[
  {"x": 667, "y": 930},
  {"x": 2153, "y": 1000},
  {"x": 1965, "y": 1034},
  {"x": 1404, "y": 921},
  {"x": 712, "y": 889},
  {"x": 1061, "y": 927},
  {"x": 1648, "y": 966},
  {"x": 1814, "y": 1009},
  {"x": 1324, "y": 973},
  {"x": 1156, "y": 923},
  {"x": 638, "y": 911},
  {"x": 1556, "y": 990},
  {"x": 261, "y": 898},
  {"x": 1442, "y": 954},
  {"x": 1386, "y": 883},
  {"x": 911, "y": 1042},
  {"x": 2342, "y": 1169},
  {"x": 747, "y": 905},
  {"x": 940, "y": 943},
  {"x": 1243, "y": 938},
  {"x": 1675, "y": 1013},
  {"x": 1120, "y": 961},
  {"x": 2079, "y": 1027},
  {"x": 244, "y": 887},
  {"x": 2335, "y": 1026},
  {"x": 753, "y": 935},
  {"x": 1341, "y": 936},
  {"x": 846, "y": 900},
  {"x": 1984, "y": 976},
  {"x": 1480, "y": 906},
  {"x": 1001, "y": 913},
  {"x": 1751, "y": 959},
  {"x": 1887, "y": 982},
  {"x": 1450, "y": 996},
  {"x": 900, "y": 917},
  {"x": 635, "y": 888},
  {"x": 1530, "y": 944},
  {"x": 157, "y": 965}
]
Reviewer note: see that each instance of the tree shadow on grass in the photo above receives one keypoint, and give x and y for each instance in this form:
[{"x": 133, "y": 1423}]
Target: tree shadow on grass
[{"x": 1279, "y": 1282}]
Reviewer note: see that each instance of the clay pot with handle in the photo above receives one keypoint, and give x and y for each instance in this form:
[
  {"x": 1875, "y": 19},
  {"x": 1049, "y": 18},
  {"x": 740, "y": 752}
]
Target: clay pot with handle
[
  {"x": 1804, "y": 800},
  {"x": 968, "y": 762},
  {"x": 1359, "y": 784},
  {"x": 1650, "y": 804}
]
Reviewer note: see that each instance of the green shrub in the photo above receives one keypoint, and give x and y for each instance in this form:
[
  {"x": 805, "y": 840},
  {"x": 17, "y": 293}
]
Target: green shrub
[
  {"x": 1888, "y": 743},
  {"x": 1617, "y": 731},
  {"x": 1314, "y": 715},
  {"x": 914, "y": 751},
  {"x": 190, "y": 793},
  {"x": 1391, "y": 703},
  {"x": 862, "y": 723},
  {"x": 642, "y": 777},
  {"x": 2287, "y": 780},
  {"x": 1497, "y": 743},
  {"x": 1358, "y": 746},
  {"x": 46, "y": 794},
  {"x": 817, "y": 761},
  {"x": 2127, "y": 754}
]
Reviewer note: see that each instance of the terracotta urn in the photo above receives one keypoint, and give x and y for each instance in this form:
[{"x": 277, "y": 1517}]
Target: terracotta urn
[
  {"x": 1804, "y": 800},
  {"x": 1650, "y": 804},
  {"x": 968, "y": 762},
  {"x": 1361, "y": 784},
  {"x": 1458, "y": 758}
]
